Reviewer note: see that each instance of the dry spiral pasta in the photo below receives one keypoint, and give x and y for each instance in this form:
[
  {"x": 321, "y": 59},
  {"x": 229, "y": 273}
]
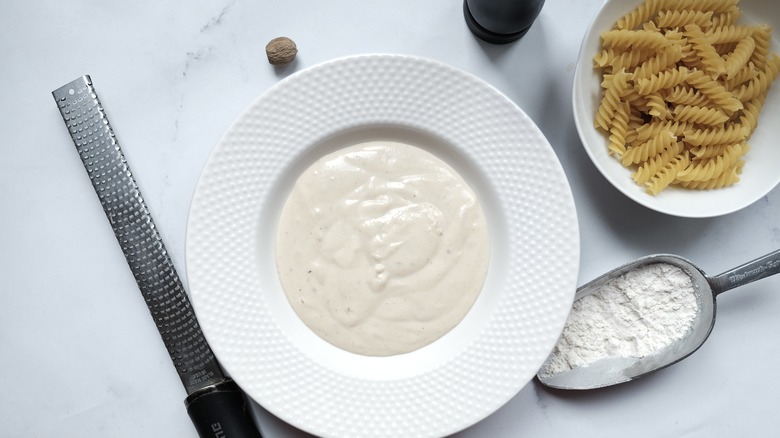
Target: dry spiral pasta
[
  {"x": 705, "y": 5},
  {"x": 749, "y": 117},
  {"x": 651, "y": 148},
  {"x": 729, "y": 34},
  {"x": 617, "y": 132},
  {"x": 739, "y": 56},
  {"x": 759, "y": 85},
  {"x": 653, "y": 129},
  {"x": 664, "y": 79},
  {"x": 611, "y": 101},
  {"x": 762, "y": 35},
  {"x": 625, "y": 39},
  {"x": 655, "y": 164},
  {"x": 716, "y": 136},
  {"x": 745, "y": 74},
  {"x": 672, "y": 19},
  {"x": 699, "y": 114},
  {"x": 641, "y": 14},
  {"x": 686, "y": 96},
  {"x": 713, "y": 167},
  {"x": 726, "y": 18},
  {"x": 656, "y": 106},
  {"x": 714, "y": 91},
  {"x": 618, "y": 59},
  {"x": 666, "y": 57},
  {"x": 668, "y": 173},
  {"x": 682, "y": 88},
  {"x": 725, "y": 179},
  {"x": 711, "y": 61}
]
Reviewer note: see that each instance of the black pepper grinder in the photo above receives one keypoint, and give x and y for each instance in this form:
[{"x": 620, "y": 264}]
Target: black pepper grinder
[{"x": 501, "y": 21}]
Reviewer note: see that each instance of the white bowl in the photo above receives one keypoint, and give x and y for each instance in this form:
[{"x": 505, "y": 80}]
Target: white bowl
[
  {"x": 762, "y": 168},
  {"x": 438, "y": 389}
]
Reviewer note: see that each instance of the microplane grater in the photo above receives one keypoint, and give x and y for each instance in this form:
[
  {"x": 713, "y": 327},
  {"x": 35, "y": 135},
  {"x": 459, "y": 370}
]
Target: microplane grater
[{"x": 214, "y": 401}]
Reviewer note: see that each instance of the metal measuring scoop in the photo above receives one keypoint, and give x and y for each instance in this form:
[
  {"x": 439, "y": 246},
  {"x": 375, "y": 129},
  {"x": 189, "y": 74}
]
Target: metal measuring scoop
[{"x": 613, "y": 370}]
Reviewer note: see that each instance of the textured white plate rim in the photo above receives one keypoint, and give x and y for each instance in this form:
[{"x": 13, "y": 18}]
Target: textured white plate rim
[
  {"x": 439, "y": 389},
  {"x": 760, "y": 175}
]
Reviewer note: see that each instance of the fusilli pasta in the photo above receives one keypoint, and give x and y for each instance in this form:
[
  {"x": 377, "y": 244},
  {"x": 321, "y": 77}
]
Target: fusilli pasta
[{"x": 682, "y": 88}]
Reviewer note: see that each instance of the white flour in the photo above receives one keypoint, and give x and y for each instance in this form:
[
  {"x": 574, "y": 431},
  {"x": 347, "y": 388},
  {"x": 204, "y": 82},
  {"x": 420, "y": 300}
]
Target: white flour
[{"x": 632, "y": 315}]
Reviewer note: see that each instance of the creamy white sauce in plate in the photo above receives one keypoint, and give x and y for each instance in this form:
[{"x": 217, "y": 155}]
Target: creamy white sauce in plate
[{"x": 381, "y": 248}]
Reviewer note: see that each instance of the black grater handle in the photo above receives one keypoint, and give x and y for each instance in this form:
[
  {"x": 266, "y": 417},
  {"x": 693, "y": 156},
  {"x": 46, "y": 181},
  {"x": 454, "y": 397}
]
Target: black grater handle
[{"x": 220, "y": 411}]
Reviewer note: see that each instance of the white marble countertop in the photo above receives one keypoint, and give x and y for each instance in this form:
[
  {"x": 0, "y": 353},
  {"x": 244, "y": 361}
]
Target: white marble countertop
[{"x": 80, "y": 355}]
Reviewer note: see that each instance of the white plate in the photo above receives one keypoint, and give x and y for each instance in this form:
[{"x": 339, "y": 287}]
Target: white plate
[
  {"x": 761, "y": 172},
  {"x": 468, "y": 373}
]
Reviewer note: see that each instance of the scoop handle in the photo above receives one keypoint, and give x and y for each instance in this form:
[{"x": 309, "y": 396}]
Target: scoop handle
[{"x": 751, "y": 271}]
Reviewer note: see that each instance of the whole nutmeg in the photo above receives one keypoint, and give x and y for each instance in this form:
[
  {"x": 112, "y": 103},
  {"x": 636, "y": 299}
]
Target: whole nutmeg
[{"x": 281, "y": 51}]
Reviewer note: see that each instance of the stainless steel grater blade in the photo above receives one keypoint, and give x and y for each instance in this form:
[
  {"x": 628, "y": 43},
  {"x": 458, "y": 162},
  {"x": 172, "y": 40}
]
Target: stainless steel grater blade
[{"x": 213, "y": 399}]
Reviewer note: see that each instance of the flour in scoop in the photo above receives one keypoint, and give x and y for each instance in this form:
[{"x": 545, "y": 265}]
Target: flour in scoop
[
  {"x": 382, "y": 248},
  {"x": 633, "y": 315}
]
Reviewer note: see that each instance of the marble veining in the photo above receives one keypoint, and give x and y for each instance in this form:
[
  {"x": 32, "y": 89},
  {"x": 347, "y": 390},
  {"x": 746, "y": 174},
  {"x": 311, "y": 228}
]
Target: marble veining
[{"x": 217, "y": 19}]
